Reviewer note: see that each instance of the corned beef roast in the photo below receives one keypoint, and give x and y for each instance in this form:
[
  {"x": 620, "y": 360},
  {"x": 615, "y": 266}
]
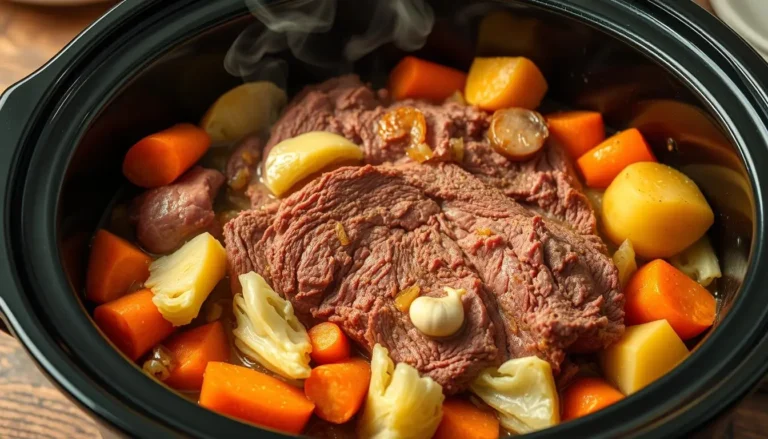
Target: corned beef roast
[
  {"x": 346, "y": 106},
  {"x": 534, "y": 287}
]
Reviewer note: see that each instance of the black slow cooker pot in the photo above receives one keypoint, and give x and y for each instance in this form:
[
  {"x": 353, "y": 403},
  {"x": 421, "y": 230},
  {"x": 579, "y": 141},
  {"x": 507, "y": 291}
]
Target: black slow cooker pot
[{"x": 691, "y": 85}]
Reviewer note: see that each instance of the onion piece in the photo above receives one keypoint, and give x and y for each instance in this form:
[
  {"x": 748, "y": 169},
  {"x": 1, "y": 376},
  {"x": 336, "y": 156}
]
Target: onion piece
[
  {"x": 419, "y": 153},
  {"x": 517, "y": 133},
  {"x": 405, "y": 298},
  {"x": 401, "y": 122},
  {"x": 341, "y": 234}
]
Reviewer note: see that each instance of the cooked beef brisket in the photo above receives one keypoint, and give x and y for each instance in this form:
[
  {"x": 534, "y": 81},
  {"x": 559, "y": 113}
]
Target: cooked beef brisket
[
  {"x": 533, "y": 287},
  {"x": 345, "y": 106}
]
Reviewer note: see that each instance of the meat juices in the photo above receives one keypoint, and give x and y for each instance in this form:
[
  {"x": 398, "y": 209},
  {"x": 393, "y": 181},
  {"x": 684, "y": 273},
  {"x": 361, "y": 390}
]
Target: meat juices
[
  {"x": 345, "y": 106},
  {"x": 168, "y": 216},
  {"x": 533, "y": 287}
]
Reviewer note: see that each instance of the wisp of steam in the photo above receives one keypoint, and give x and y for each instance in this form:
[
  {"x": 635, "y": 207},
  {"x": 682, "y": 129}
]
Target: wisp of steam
[{"x": 301, "y": 26}]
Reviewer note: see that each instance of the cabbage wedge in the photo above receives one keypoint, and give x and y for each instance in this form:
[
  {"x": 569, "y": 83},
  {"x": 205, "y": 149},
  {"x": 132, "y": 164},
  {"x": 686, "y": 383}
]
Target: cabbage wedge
[
  {"x": 523, "y": 393},
  {"x": 699, "y": 262},
  {"x": 400, "y": 404},
  {"x": 268, "y": 331}
]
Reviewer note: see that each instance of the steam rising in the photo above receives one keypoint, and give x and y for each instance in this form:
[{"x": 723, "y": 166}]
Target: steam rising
[
  {"x": 302, "y": 26},
  {"x": 407, "y": 23}
]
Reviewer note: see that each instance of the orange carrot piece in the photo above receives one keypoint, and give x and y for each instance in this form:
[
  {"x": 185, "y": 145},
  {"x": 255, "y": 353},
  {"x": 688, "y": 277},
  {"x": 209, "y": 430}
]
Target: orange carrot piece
[
  {"x": 504, "y": 82},
  {"x": 133, "y": 323},
  {"x": 254, "y": 397},
  {"x": 160, "y": 158},
  {"x": 114, "y": 266},
  {"x": 192, "y": 351},
  {"x": 587, "y": 395},
  {"x": 577, "y": 131},
  {"x": 601, "y": 164},
  {"x": 414, "y": 78},
  {"x": 462, "y": 419},
  {"x": 329, "y": 343},
  {"x": 660, "y": 291},
  {"x": 338, "y": 389}
]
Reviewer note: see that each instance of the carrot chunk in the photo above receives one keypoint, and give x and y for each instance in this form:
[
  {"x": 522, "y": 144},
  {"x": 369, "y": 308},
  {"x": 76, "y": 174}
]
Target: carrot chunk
[
  {"x": 192, "y": 351},
  {"x": 601, "y": 164},
  {"x": 338, "y": 389},
  {"x": 114, "y": 266},
  {"x": 254, "y": 397},
  {"x": 160, "y": 158},
  {"x": 415, "y": 78},
  {"x": 329, "y": 343},
  {"x": 133, "y": 323},
  {"x": 577, "y": 131},
  {"x": 504, "y": 82},
  {"x": 660, "y": 291},
  {"x": 587, "y": 395},
  {"x": 462, "y": 419}
]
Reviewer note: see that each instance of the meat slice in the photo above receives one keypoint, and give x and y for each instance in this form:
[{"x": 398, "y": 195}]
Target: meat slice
[
  {"x": 557, "y": 290},
  {"x": 347, "y": 107},
  {"x": 245, "y": 248},
  {"x": 395, "y": 242},
  {"x": 533, "y": 287},
  {"x": 168, "y": 216}
]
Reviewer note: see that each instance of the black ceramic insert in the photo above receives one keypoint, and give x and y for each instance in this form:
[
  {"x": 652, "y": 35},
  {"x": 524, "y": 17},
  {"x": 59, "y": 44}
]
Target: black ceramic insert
[{"x": 148, "y": 64}]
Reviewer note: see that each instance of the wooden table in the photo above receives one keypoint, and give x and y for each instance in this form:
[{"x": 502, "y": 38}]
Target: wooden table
[{"x": 30, "y": 407}]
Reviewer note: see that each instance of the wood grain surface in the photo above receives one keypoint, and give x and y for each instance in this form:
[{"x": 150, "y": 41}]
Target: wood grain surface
[{"x": 30, "y": 407}]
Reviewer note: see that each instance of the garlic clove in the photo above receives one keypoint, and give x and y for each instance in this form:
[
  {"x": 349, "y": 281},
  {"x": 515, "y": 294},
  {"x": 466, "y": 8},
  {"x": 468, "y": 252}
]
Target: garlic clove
[{"x": 438, "y": 316}]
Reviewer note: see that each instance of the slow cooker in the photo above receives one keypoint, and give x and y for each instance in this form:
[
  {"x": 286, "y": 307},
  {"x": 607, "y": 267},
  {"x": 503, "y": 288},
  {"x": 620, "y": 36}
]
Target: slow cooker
[{"x": 692, "y": 86}]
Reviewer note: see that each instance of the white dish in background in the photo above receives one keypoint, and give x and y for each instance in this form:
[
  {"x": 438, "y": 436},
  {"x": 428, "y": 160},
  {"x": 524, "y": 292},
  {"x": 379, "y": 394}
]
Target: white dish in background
[{"x": 747, "y": 17}]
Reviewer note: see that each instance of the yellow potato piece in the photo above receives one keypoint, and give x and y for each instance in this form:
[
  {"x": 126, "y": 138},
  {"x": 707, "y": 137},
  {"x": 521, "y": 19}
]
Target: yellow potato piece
[
  {"x": 247, "y": 108},
  {"x": 658, "y": 208},
  {"x": 297, "y": 158},
  {"x": 505, "y": 82},
  {"x": 644, "y": 353},
  {"x": 183, "y": 280}
]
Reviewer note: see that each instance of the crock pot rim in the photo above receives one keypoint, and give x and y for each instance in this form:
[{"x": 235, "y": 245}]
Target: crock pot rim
[{"x": 66, "y": 370}]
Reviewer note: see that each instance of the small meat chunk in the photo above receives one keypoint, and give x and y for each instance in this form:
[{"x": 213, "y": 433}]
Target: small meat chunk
[
  {"x": 242, "y": 164},
  {"x": 168, "y": 216}
]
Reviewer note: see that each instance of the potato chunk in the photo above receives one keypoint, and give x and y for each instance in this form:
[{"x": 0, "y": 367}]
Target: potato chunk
[
  {"x": 505, "y": 82},
  {"x": 644, "y": 353},
  {"x": 656, "y": 207},
  {"x": 245, "y": 109},
  {"x": 183, "y": 280},
  {"x": 297, "y": 158}
]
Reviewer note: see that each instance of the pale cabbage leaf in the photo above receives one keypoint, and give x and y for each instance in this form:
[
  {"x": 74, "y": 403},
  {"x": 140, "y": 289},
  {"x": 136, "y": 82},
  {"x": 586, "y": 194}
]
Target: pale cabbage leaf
[
  {"x": 523, "y": 393},
  {"x": 400, "y": 403},
  {"x": 699, "y": 262},
  {"x": 624, "y": 258},
  {"x": 268, "y": 331}
]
